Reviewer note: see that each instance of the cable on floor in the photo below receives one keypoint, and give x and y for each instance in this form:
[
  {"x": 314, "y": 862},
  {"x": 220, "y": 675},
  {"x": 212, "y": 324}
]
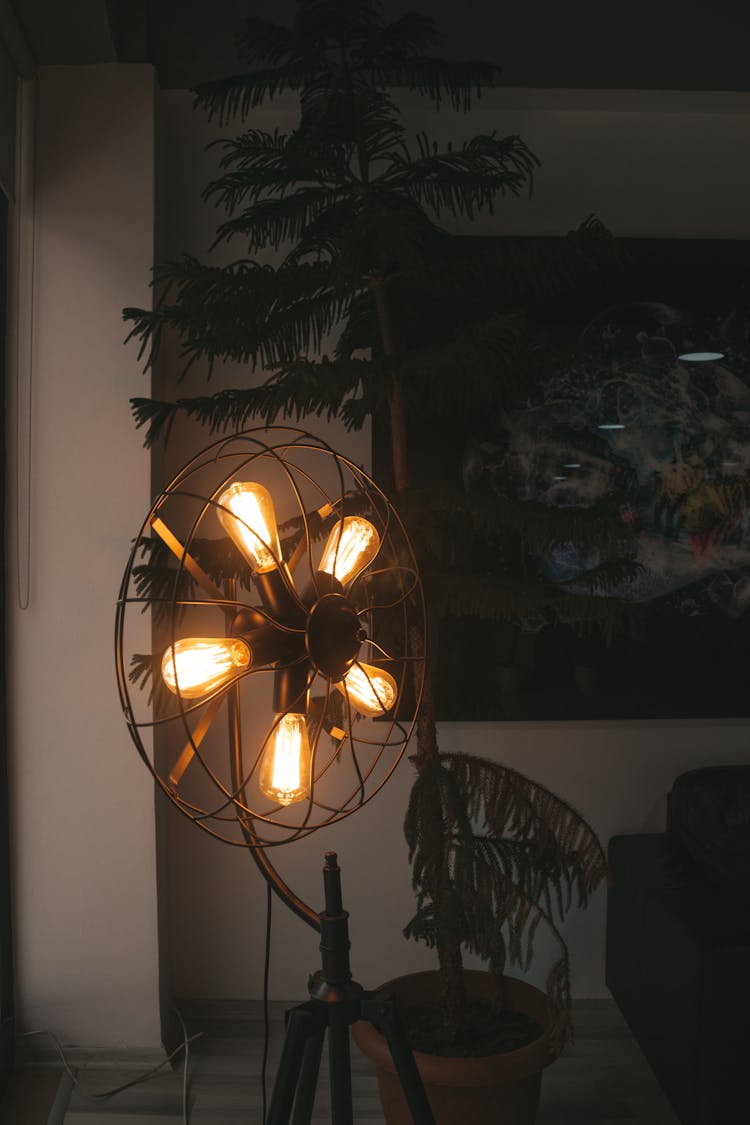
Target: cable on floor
[
  {"x": 103, "y": 1095},
  {"x": 186, "y": 1040}
]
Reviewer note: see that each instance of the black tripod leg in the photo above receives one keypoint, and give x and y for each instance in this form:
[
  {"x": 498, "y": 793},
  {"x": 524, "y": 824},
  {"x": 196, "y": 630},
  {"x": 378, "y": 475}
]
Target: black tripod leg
[
  {"x": 308, "y": 1079},
  {"x": 339, "y": 1058},
  {"x": 380, "y": 1007},
  {"x": 301, "y": 1026}
]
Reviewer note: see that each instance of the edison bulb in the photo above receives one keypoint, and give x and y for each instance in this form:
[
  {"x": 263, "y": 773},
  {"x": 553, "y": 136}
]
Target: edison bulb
[
  {"x": 286, "y": 766},
  {"x": 371, "y": 690},
  {"x": 246, "y": 513},
  {"x": 351, "y": 545},
  {"x": 196, "y": 666}
]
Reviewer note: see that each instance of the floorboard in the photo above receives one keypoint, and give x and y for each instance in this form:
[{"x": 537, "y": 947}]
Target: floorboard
[{"x": 602, "y": 1080}]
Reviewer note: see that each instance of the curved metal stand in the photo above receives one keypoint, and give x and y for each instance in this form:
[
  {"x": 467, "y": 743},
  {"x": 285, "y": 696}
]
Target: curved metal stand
[
  {"x": 256, "y": 849},
  {"x": 336, "y": 1002}
]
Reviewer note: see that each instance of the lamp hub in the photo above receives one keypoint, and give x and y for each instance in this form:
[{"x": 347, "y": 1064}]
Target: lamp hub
[{"x": 333, "y": 635}]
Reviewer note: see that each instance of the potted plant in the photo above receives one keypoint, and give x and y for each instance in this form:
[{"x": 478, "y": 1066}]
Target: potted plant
[{"x": 429, "y": 329}]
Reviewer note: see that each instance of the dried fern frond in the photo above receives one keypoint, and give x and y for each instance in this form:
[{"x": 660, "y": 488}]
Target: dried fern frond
[
  {"x": 494, "y": 855},
  {"x": 507, "y": 803}
]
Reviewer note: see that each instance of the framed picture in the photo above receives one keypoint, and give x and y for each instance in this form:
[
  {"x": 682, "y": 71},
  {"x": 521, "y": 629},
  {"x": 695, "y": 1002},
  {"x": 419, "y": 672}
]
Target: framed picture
[{"x": 644, "y": 417}]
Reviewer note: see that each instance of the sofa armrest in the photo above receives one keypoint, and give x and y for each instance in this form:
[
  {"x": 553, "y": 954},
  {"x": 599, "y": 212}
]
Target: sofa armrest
[{"x": 678, "y": 960}]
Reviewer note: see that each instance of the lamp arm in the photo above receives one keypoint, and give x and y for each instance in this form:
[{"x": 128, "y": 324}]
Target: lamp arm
[
  {"x": 261, "y": 860},
  {"x": 271, "y": 875},
  {"x": 186, "y": 560}
]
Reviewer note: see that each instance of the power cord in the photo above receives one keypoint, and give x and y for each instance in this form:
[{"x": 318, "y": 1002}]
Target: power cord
[
  {"x": 103, "y": 1095},
  {"x": 186, "y": 1041},
  {"x": 266, "y": 1019}
]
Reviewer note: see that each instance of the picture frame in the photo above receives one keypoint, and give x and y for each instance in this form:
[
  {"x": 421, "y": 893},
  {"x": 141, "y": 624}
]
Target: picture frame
[{"x": 665, "y": 440}]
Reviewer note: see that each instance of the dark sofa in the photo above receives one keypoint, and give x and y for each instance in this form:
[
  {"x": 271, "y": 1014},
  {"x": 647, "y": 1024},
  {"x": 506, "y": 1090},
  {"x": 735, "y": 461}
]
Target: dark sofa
[{"x": 678, "y": 945}]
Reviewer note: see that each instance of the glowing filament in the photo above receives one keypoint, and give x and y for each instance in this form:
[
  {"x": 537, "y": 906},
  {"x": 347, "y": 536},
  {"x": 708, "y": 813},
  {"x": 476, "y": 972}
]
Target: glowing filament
[
  {"x": 351, "y": 545},
  {"x": 371, "y": 690},
  {"x": 196, "y": 666},
  {"x": 287, "y": 762},
  {"x": 246, "y": 513}
]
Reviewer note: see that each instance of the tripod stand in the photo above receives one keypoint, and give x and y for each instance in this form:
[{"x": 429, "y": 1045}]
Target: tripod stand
[{"x": 336, "y": 1002}]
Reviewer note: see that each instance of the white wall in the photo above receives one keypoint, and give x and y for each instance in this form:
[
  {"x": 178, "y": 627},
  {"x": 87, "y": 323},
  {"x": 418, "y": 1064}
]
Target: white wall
[
  {"x": 82, "y": 805},
  {"x": 649, "y": 165}
]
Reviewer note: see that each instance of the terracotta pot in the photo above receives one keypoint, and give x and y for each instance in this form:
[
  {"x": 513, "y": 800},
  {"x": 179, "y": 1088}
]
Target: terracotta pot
[{"x": 493, "y": 1090}]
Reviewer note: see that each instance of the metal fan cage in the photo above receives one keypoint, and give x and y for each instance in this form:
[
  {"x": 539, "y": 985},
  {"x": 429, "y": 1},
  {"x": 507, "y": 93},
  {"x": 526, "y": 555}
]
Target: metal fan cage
[{"x": 187, "y": 572}]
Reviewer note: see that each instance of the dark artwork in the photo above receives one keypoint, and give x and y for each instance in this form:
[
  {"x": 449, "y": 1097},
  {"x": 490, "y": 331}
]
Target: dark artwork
[{"x": 646, "y": 416}]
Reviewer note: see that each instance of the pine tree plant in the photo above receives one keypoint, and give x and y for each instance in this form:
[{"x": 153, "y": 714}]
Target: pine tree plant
[{"x": 427, "y": 330}]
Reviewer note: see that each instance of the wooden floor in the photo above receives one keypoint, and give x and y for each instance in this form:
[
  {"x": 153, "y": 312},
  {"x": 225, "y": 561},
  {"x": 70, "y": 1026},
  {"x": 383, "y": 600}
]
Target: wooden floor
[{"x": 603, "y": 1080}]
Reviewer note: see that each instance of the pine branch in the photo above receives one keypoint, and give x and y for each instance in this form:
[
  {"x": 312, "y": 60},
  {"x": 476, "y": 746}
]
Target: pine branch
[
  {"x": 259, "y": 163},
  {"x": 297, "y": 389},
  {"x": 330, "y": 237},
  {"x": 387, "y": 55},
  {"x": 159, "y": 590},
  {"x": 464, "y": 180},
  {"x": 460, "y": 81},
  {"x": 359, "y": 330},
  {"x": 161, "y": 583},
  {"x": 158, "y": 417},
  {"x": 238, "y": 94},
  {"x": 322, "y": 387},
  {"x": 350, "y": 123},
  {"x": 145, "y": 673},
  {"x": 386, "y": 233},
  {"x": 245, "y": 312},
  {"x": 271, "y": 222},
  {"x": 205, "y": 310}
]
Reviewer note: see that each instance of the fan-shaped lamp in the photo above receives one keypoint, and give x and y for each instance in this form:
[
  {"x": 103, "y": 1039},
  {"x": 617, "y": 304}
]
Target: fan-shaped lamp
[{"x": 281, "y": 584}]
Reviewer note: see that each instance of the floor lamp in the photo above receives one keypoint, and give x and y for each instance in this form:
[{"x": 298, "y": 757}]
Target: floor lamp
[{"x": 282, "y": 587}]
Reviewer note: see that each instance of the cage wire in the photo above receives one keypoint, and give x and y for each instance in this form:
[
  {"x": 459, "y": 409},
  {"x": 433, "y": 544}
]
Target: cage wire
[{"x": 187, "y": 573}]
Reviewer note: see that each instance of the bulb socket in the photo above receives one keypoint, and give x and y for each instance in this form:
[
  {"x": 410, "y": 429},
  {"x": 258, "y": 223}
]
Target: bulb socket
[
  {"x": 291, "y": 689},
  {"x": 276, "y": 591}
]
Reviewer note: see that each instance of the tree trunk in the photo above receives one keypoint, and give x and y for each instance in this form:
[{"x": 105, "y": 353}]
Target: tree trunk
[
  {"x": 398, "y": 435},
  {"x": 450, "y": 960},
  {"x": 452, "y": 987},
  {"x": 441, "y": 892},
  {"x": 399, "y": 443}
]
